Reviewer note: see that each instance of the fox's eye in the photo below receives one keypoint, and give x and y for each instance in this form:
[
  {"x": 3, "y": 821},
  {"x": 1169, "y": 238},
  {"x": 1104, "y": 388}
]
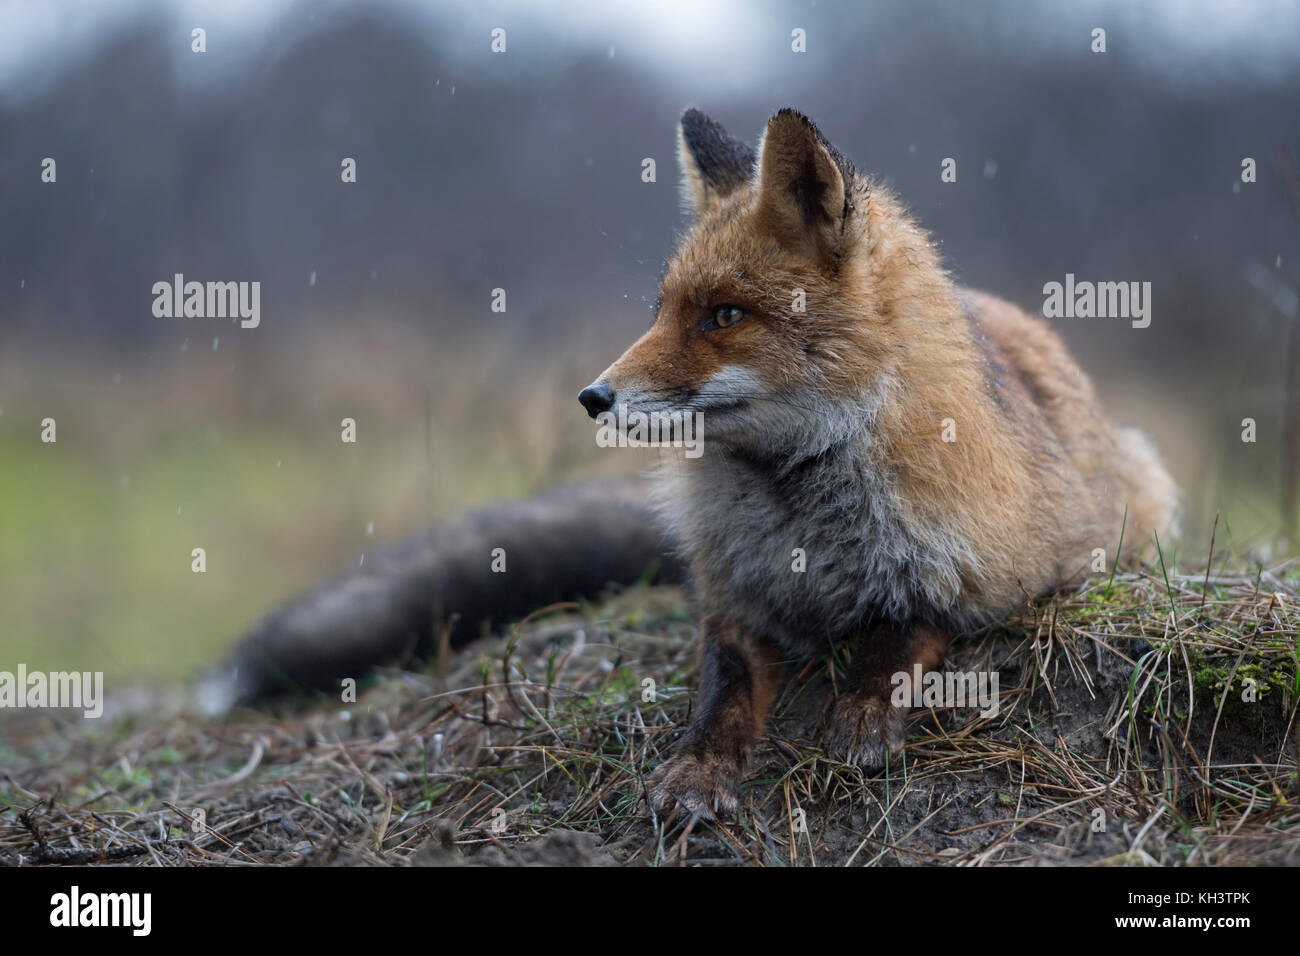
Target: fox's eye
[{"x": 725, "y": 316}]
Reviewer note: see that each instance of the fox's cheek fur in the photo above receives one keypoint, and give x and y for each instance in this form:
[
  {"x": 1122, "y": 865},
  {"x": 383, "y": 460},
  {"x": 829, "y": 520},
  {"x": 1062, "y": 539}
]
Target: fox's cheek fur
[
  {"x": 732, "y": 386},
  {"x": 669, "y": 368},
  {"x": 758, "y": 389},
  {"x": 738, "y": 407}
]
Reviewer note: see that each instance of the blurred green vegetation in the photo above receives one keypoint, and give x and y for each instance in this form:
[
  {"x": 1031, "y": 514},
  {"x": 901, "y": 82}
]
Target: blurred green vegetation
[
  {"x": 238, "y": 451},
  {"x": 241, "y": 454}
]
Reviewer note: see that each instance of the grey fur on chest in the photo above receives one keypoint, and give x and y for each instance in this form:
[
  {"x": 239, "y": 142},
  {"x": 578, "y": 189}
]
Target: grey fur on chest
[{"x": 745, "y": 527}]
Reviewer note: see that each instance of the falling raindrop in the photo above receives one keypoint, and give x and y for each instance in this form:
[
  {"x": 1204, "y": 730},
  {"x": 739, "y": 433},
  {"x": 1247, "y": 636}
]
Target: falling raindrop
[
  {"x": 363, "y": 561},
  {"x": 215, "y": 340},
  {"x": 370, "y": 528},
  {"x": 312, "y": 280}
]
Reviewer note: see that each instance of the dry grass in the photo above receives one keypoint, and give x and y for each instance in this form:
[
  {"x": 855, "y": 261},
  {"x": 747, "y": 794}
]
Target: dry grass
[{"x": 1115, "y": 744}]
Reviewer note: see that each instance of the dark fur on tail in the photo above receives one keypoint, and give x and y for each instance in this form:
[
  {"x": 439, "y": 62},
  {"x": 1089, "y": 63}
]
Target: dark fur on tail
[{"x": 573, "y": 542}]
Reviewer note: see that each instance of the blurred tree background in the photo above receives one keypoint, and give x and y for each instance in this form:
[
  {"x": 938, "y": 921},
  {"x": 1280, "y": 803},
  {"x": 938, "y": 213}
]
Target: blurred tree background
[{"x": 522, "y": 171}]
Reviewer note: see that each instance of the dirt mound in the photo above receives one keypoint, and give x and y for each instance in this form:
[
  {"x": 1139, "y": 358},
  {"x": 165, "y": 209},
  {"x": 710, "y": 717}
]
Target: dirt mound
[{"x": 1114, "y": 742}]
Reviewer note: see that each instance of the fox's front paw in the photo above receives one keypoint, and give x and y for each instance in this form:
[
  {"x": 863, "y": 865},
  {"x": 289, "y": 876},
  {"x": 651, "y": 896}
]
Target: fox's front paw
[
  {"x": 866, "y": 731},
  {"x": 703, "y": 784}
]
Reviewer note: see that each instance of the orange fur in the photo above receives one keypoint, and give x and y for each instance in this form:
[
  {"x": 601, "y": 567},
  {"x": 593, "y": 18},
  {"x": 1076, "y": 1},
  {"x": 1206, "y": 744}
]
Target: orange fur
[{"x": 825, "y": 430}]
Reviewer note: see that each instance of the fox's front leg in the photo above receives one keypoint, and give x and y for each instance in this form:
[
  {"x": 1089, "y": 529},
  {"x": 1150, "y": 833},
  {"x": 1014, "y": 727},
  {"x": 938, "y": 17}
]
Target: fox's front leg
[
  {"x": 867, "y": 728},
  {"x": 739, "y": 676}
]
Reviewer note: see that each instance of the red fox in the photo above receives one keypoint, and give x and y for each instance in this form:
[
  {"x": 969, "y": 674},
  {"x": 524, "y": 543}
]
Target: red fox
[
  {"x": 933, "y": 454},
  {"x": 886, "y": 457}
]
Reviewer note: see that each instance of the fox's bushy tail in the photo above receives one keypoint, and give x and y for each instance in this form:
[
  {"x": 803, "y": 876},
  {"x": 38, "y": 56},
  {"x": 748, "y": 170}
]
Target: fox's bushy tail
[{"x": 573, "y": 542}]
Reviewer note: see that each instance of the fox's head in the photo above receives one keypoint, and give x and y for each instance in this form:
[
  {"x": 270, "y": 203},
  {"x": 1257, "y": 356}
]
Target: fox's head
[{"x": 774, "y": 314}]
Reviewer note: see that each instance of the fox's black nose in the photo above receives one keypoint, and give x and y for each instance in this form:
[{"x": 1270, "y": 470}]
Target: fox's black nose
[{"x": 596, "y": 398}]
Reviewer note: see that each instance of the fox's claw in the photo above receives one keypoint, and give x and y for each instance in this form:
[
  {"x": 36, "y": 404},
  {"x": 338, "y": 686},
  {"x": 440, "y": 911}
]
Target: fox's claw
[
  {"x": 866, "y": 731},
  {"x": 701, "y": 784}
]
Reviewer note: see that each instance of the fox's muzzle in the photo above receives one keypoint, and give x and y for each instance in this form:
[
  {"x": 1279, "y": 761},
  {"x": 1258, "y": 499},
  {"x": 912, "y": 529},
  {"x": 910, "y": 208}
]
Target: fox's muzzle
[{"x": 597, "y": 397}]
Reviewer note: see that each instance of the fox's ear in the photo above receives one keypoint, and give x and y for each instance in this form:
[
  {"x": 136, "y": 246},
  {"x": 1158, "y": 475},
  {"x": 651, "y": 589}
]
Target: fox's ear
[
  {"x": 713, "y": 164},
  {"x": 805, "y": 193}
]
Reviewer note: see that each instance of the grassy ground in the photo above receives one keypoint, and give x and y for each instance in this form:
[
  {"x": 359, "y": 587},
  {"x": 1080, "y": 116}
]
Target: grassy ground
[
  {"x": 1123, "y": 739},
  {"x": 1113, "y": 697}
]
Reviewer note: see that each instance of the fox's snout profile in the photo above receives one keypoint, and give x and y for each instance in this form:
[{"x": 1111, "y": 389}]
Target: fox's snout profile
[{"x": 927, "y": 455}]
